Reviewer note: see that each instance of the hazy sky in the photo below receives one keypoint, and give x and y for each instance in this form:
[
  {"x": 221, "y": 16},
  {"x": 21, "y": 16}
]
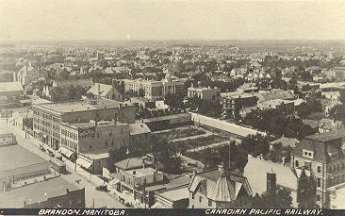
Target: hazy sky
[{"x": 170, "y": 20}]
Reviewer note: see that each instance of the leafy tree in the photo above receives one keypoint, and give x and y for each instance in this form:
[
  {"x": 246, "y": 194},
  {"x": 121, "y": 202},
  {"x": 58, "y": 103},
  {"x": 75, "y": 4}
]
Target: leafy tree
[{"x": 256, "y": 144}]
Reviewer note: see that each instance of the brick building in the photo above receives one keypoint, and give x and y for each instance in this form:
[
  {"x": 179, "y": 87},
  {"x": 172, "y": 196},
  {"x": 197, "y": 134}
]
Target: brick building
[
  {"x": 322, "y": 155},
  {"x": 48, "y": 117}
]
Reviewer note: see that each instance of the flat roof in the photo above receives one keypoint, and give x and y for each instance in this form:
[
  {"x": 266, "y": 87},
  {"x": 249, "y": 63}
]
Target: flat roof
[
  {"x": 10, "y": 86},
  {"x": 141, "y": 172},
  {"x": 15, "y": 156},
  {"x": 37, "y": 192},
  {"x": 169, "y": 117},
  {"x": 176, "y": 194},
  {"x": 76, "y": 106}
]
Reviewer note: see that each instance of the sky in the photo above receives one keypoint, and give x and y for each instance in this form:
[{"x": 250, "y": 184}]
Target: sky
[{"x": 57, "y": 20}]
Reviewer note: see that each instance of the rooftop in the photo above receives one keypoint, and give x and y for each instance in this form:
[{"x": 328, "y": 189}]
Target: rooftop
[
  {"x": 169, "y": 117},
  {"x": 324, "y": 137},
  {"x": 258, "y": 180},
  {"x": 176, "y": 194},
  {"x": 78, "y": 106},
  {"x": 138, "y": 128},
  {"x": 130, "y": 163},
  {"x": 10, "y": 86},
  {"x": 15, "y": 156},
  {"x": 37, "y": 192},
  {"x": 142, "y": 172}
]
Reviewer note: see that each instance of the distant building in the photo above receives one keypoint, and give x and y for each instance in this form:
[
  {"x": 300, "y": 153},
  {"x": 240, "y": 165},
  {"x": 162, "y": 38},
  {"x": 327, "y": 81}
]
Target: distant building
[
  {"x": 26, "y": 75},
  {"x": 104, "y": 91},
  {"x": 233, "y": 104},
  {"x": 154, "y": 89},
  {"x": 323, "y": 155},
  {"x": 204, "y": 93},
  {"x": 48, "y": 116},
  {"x": 285, "y": 106},
  {"x": 217, "y": 189}
]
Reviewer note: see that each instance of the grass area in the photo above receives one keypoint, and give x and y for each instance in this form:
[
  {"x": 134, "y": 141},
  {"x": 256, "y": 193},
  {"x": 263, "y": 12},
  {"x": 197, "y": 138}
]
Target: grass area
[
  {"x": 200, "y": 141},
  {"x": 178, "y": 133}
]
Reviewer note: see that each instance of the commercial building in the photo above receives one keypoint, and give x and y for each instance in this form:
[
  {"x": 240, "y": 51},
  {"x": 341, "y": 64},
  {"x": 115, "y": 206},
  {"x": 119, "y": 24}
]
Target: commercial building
[
  {"x": 47, "y": 193},
  {"x": 89, "y": 142},
  {"x": 49, "y": 116},
  {"x": 323, "y": 156},
  {"x": 17, "y": 163}
]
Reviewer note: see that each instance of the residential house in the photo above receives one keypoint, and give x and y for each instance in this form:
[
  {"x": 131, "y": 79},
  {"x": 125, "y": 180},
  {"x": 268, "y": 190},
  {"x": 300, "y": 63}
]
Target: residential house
[{"x": 218, "y": 189}]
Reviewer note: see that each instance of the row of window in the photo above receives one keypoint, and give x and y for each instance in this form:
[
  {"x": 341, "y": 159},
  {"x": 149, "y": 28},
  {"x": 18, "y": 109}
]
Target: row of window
[{"x": 331, "y": 168}]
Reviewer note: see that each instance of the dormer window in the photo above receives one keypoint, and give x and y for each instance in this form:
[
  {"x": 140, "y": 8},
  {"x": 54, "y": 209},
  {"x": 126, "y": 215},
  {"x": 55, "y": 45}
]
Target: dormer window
[{"x": 308, "y": 154}]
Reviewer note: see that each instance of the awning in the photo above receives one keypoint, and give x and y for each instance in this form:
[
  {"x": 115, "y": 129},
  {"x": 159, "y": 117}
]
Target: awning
[
  {"x": 84, "y": 163},
  {"x": 114, "y": 182},
  {"x": 68, "y": 153}
]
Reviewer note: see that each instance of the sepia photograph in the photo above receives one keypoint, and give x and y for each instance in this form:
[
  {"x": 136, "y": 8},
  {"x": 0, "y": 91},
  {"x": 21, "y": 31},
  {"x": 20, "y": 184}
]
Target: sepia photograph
[{"x": 172, "y": 107}]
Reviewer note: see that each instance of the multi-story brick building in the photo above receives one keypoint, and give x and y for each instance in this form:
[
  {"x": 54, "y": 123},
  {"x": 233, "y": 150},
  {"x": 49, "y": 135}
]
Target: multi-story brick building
[
  {"x": 87, "y": 137},
  {"x": 323, "y": 155},
  {"x": 48, "y": 116}
]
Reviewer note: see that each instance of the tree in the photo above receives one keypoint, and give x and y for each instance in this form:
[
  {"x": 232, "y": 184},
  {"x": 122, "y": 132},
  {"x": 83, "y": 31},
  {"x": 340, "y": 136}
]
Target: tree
[
  {"x": 174, "y": 100},
  {"x": 256, "y": 144},
  {"x": 280, "y": 199},
  {"x": 167, "y": 155},
  {"x": 306, "y": 191}
]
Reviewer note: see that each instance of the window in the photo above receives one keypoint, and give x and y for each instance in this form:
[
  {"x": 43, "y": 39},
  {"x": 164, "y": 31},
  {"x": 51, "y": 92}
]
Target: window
[
  {"x": 318, "y": 169},
  {"x": 200, "y": 198},
  {"x": 318, "y": 182},
  {"x": 209, "y": 202},
  {"x": 318, "y": 197},
  {"x": 296, "y": 163},
  {"x": 192, "y": 195}
]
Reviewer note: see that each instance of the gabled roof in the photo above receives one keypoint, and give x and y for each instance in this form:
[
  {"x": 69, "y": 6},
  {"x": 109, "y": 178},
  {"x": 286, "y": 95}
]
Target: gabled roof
[
  {"x": 220, "y": 187},
  {"x": 100, "y": 89}
]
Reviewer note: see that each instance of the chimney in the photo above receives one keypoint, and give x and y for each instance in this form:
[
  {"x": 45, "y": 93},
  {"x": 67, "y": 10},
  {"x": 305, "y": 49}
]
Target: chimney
[
  {"x": 134, "y": 172},
  {"x": 271, "y": 182}
]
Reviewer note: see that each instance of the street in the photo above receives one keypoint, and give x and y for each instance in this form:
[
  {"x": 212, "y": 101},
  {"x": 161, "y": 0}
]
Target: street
[{"x": 93, "y": 198}]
